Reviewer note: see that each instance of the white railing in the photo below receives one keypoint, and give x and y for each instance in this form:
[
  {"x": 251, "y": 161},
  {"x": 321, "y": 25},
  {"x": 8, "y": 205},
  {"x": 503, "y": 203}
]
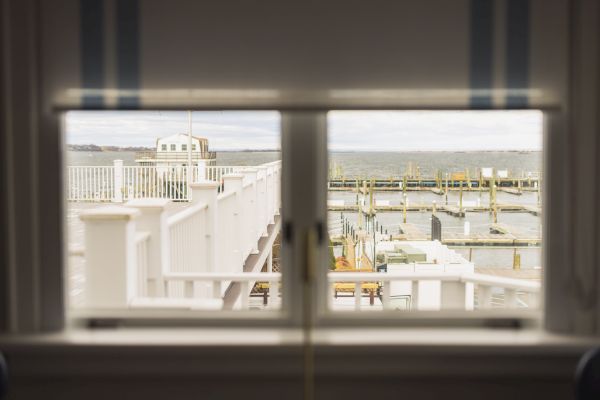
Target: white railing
[
  {"x": 142, "y": 240},
  {"x": 186, "y": 242},
  {"x": 143, "y": 182},
  {"x": 90, "y": 183},
  {"x": 219, "y": 281},
  {"x": 216, "y": 172},
  {"x": 214, "y": 234},
  {"x": 118, "y": 183},
  {"x": 452, "y": 292}
]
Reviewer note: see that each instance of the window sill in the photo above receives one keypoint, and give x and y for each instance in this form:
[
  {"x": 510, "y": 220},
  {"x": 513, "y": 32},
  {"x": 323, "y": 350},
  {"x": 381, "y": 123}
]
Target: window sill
[
  {"x": 325, "y": 337},
  {"x": 339, "y": 352}
]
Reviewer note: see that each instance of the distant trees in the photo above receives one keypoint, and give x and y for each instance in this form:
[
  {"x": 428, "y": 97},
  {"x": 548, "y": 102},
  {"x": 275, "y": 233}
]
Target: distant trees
[{"x": 94, "y": 147}]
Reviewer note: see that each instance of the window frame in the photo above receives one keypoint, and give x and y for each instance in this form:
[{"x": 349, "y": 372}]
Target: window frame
[
  {"x": 515, "y": 318},
  {"x": 294, "y": 167}
]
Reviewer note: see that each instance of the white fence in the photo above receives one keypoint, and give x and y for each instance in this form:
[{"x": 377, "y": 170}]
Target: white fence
[
  {"x": 91, "y": 183},
  {"x": 118, "y": 183},
  {"x": 143, "y": 250},
  {"x": 452, "y": 290}
]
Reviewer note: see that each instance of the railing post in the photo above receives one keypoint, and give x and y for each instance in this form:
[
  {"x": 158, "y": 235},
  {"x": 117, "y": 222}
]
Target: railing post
[
  {"x": 153, "y": 219},
  {"x": 357, "y": 295},
  {"x": 484, "y": 296},
  {"x": 414, "y": 295},
  {"x": 201, "y": 171},
  {"x": 385, "y": 296},
  {"x": 253, "y": 217},
  {"x": 270, "y": 182},
  {"x": 273, "y": 285},
  {"x": 206, "y": 192},
  {"x": 110, "y": 256},
  {"x": 453, "y": 296},
  {"x": 277, "y": 182},
  {"x": 234, "y": 182},
  {"x": 263, "y": 200},
  {"x": 510, "y": 298},
  {"x": 118, "y": 181}
]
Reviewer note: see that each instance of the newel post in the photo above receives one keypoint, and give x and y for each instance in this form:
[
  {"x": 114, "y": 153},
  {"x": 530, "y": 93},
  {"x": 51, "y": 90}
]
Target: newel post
[
  {"x": 263, "y": 200},
  {"x": 206, "y": 192},
  {"x": 234, "y": 183},
  {"x": 153, "y": 219},
  {"x": 271, "y": 195},
  {"x": 453, "y": 295},
  {"x": 118, "y": 181},
  {"x": 110, "y": 256},
  {"x": 201, "y": 171},
  {"x": 253, "y": 218}
]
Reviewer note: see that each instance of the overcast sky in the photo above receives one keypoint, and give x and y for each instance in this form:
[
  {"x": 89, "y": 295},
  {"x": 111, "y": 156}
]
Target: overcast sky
[{"x": 349, "y": 130}]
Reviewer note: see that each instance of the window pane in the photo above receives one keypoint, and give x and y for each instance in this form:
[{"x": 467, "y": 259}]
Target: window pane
[
  {"x": 434, "y": 210},
  {"x": 165, "y": 229}
]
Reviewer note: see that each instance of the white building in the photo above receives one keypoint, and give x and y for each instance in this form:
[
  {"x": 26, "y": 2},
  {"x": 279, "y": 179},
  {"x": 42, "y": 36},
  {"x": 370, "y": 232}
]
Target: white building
[{"x": 173, "y": 151}]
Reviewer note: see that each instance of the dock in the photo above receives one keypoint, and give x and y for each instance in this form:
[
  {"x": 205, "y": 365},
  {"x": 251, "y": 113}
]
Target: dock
[
  {"x": 513, "y": 185},
  {"x": 449, "y": 209},
  {"x": 499, "y": 235}
]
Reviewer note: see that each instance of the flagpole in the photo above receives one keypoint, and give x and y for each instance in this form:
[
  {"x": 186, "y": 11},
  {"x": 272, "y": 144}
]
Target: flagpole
[{"x": 189, "y": 149}]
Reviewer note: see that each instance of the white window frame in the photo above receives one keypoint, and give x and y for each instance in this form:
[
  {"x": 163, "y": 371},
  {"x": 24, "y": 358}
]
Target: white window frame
[{"x": 304, "y": 213}]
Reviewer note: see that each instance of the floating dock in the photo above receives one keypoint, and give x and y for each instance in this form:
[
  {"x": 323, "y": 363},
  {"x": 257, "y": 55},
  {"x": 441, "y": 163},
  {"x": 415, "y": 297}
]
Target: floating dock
[{"x": 449, "y": 209}]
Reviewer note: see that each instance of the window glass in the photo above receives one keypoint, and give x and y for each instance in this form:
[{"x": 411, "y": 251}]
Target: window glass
[
  {"x": 435, "y": 210},
  {"x": 175, "y": 230}
]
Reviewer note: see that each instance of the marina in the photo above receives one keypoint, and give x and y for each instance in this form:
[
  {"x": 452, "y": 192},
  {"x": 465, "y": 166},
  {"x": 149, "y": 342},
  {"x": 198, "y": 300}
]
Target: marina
[{"x": 366, "y": 216}]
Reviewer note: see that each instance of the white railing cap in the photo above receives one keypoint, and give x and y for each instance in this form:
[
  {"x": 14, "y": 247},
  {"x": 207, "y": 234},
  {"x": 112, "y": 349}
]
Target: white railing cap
[
  {"x": 109, "y": 213},
  {"x": 204, "y": 185},
  {"x": 252, "y": 170},
  {"x": 233, "y": 176},
  {"x": 148, "y": 203}
]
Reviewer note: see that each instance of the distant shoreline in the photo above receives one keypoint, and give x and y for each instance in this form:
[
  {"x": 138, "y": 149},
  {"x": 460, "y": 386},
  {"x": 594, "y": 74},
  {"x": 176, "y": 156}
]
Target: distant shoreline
[{"x": 96, "y": 148}]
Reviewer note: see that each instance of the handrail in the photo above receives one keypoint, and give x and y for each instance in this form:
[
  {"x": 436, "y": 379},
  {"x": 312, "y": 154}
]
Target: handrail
[
  {"x": 224, "y": 195},
  {"x": 389, "y": 276},
  {"x": 234, "y": 277},
  {"x": 465, "y": 277},
  {"x": 498, "y": 281},
  {"x": 186, "y": 213},
  {"x": 141, "y": 236}
]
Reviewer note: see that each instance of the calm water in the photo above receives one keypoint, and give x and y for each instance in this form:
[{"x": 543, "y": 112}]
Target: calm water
[
  {"x": 386, "y": 164},
  {"x": 128, "y": 157}
]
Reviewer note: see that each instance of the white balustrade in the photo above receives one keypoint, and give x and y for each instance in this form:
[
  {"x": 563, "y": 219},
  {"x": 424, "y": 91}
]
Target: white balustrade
[
  {"x": 187, "y": 230},
  {"x": 136, "y": 254},
  {"x": 118, "y": 183},
  {"x": 90, "y": 184},
  {"x": 454, "y": 288},
  {"x": 153, "y": 220},
  {"x": 233, "y": 183}
]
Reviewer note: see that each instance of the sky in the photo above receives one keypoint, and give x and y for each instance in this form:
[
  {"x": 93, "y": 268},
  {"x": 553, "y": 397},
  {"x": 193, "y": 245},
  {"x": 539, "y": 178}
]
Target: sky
[{"x": 348, "y": 130}]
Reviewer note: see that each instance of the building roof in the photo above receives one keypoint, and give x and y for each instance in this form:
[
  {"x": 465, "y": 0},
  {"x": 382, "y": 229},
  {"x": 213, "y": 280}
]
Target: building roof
[{"x": 201, "y": 139}]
